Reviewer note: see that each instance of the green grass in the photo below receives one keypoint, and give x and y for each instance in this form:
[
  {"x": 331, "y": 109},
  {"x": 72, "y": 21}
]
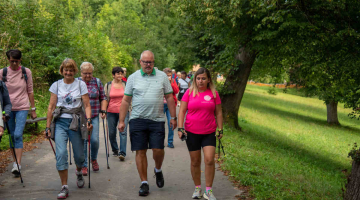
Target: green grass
[
  {"x": 286, "y": 149},
  {"x": 42, "y": 97}
]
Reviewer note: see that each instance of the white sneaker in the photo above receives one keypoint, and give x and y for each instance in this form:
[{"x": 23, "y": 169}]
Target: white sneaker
[
  {"x": 209, "y": 195},
  {"x": 197, "y": 193},
  {"x": 15, "y": 169}
]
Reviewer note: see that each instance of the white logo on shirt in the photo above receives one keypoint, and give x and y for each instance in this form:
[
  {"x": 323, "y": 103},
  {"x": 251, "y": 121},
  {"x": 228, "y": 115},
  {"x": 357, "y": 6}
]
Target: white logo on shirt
[{"x": 207, "y": 98}]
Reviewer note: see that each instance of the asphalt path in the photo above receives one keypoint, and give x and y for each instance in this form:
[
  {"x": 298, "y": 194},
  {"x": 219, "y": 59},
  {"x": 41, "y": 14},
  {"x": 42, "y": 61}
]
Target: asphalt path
[{"x": 121, "y": 181}]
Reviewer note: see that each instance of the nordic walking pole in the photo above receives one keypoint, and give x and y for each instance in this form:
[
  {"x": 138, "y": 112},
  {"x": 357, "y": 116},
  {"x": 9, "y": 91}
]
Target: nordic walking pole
[
  {"x": 47, "y": 134},
  {"x": 13, "y": 148},
  {"x": 70, "y": 151},
  {"x": 107, "y": 159},
  {"x": 89, "y": 157},
  {"x": 222, "y": 147},
  {"x": 219, "y": 149},
  {"x": 107, "y": 133}
]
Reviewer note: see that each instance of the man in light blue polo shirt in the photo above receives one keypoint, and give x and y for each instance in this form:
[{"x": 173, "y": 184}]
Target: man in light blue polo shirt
[{"x": 146, "y": 88}]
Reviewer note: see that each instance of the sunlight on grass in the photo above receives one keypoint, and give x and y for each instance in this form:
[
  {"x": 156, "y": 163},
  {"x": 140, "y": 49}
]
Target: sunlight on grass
[{"x": 286, "y": 149}]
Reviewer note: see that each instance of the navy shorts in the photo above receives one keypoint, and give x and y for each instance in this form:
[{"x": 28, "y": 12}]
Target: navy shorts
[{"x": 146, "y": 134}]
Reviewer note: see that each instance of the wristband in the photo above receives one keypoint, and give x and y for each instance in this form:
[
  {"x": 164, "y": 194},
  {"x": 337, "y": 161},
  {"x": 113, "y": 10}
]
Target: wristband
[
  {"x": 181, "y": 129},
  {"x": 89, "y": 121},
  {"x": 220, "y": 131},
  {"x": 103, "y": 111}
]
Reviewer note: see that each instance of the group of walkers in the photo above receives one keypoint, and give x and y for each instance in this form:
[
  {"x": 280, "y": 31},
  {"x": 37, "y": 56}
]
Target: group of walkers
[{"x": 142, "y": 101}]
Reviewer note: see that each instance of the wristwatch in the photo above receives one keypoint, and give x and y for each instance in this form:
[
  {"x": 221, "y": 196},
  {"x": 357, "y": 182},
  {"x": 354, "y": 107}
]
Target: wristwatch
[
  {"x": 103, "y": 111},
  {"x": 33, "y": 109},
  {"x": 174, "y": 118},
  {"x": 89, "y": 120},
  {"x": 220, "y": 131}
]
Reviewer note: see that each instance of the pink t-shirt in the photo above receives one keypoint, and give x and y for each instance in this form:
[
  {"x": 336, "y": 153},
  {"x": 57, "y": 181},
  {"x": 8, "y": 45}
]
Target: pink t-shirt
[
  {"x": 18, "y": 90},
  {"x": 200, "y": 118},
  {"x": 116, "y": 96}
]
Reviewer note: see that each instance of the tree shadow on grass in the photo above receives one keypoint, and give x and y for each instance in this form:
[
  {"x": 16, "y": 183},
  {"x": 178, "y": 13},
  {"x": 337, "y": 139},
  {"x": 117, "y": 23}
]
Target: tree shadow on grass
[
  {"x": 255, "y": 103},
  {"x": 290, "y": 148}
]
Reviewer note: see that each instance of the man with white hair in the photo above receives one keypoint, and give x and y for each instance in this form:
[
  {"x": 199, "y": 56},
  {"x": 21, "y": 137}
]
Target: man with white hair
[
  {"x": 98, "y": 102},
  {"x": 146, "y": 89}
]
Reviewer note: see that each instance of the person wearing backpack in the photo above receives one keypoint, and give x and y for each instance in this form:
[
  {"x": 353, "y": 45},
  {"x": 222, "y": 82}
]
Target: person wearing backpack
[
  {"x": 19, "y": 83},
  {"x": 114, "y": 91},
  {"x": 66, "y": 120},
  {"x": 98, "y": 102}
]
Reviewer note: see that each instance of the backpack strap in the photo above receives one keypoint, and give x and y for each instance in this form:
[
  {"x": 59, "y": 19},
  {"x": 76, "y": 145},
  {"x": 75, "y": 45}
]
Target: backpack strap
[
  {"x": 24, "y": 73},
  {"x": 4, "y": 74}
]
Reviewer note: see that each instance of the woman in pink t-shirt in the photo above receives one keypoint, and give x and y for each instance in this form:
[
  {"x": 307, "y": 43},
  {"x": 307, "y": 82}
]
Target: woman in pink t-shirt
[{"x": 204, "y": 114}]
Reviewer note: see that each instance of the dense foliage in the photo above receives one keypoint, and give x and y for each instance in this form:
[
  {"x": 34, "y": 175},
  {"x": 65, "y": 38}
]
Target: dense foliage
[{"x": 105, "y": 33}]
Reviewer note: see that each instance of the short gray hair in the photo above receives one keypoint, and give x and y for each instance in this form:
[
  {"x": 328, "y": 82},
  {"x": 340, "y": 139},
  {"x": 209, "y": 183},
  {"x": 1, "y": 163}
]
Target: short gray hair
[
  {"x": 85, "y": 65},
  {"x": 147, "y": 51}
]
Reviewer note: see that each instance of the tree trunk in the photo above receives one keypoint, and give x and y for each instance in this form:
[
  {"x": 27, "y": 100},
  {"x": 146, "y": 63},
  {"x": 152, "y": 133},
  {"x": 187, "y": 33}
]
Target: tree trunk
[
  {"x": 353, "y": 185},
  {"x": 235, "y": 85},
  {"x": 332, "y": 116}
]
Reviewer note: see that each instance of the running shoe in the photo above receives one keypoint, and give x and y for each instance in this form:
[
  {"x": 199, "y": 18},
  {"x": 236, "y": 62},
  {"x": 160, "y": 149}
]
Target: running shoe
[
  {"x": 15, "y": 169},
  {"x": 115, "y": 153},
  {"x": 197, "y": 193},
  {"x": 209, "y": 195},
  {"x": 159, "y": 179},
  {"x": 80, "y": 182},
  {"x": 144, "y": 189},
  {"x": 121, "y": 157},
  {"x": 171, "y": 145},
  {"x": 84, "y": 171},
  {"x": 64, "y": 193},
  {"x": 95, "y": 165}
]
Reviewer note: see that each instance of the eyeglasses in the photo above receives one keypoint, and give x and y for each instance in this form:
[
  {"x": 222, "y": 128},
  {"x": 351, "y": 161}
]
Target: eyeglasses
[{"x": 148, "y": 62}]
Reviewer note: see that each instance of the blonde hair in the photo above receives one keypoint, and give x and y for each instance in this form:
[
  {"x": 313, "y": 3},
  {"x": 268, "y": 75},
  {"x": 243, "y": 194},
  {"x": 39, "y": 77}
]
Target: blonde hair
[
  {"x": 68, "y": 63},
  {"x": 194, "y": 89}
]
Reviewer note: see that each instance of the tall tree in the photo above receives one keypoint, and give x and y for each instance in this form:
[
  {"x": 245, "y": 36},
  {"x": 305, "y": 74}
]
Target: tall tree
[{"x": 318, "y": 35}]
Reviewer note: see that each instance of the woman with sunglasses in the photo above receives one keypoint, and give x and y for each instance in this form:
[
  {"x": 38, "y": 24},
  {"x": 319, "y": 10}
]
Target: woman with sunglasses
[{"x": 202, "y": 104}]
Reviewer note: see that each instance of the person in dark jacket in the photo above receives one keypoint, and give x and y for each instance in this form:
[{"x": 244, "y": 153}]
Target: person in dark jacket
[{"x": 5, "y": 105}]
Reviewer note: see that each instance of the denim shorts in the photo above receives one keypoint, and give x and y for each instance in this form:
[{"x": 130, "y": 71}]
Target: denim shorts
[{"x": 146, "y": 134}]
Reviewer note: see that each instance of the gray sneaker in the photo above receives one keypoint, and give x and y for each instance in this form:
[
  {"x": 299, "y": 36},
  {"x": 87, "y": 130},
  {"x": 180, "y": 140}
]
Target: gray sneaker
[
  {"x": 64, "y": 193},
  {"x": 209, "y": 195},
  {"x": 80, "y": 182},
  {"x": 197, "y": 193}
]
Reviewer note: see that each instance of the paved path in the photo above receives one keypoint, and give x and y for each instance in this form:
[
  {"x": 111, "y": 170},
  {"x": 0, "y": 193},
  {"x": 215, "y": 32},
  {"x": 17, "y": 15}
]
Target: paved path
[{"x": 121, "y": 181}]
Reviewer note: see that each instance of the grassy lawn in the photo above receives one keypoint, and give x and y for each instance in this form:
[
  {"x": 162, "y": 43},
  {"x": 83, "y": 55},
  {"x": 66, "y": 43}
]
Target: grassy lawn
[{"x": 286, "y": 149}]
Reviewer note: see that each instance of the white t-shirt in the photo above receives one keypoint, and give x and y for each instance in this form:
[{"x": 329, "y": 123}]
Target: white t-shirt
[
  {"x": 69, "y": 95},
  {"x": 184, "y": 84}
]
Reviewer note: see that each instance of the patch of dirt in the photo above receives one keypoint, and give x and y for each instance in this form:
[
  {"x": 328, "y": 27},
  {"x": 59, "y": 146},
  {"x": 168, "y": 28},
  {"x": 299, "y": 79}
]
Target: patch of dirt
[
  {"x": 6, "y": 156},
  {"x": 245, "y": 194}
]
